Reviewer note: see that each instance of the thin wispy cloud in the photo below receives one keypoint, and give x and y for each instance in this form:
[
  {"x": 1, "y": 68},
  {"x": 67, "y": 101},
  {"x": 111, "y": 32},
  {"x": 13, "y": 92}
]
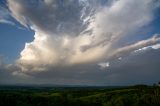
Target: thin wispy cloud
[{"x": 4, "y": 16}]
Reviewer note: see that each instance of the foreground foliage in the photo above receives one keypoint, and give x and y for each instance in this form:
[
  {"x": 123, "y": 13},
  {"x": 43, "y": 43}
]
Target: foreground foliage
[{"x": 80, "y": 96}]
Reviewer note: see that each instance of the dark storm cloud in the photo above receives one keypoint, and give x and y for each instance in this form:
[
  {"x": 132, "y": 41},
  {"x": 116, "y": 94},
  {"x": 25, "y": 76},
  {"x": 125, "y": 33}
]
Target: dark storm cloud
[{"x": 136, "y": 68}]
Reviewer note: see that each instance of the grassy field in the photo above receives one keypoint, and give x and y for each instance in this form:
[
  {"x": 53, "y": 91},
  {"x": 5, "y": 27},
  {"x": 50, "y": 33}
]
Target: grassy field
[{"x": 139, "y": 95}]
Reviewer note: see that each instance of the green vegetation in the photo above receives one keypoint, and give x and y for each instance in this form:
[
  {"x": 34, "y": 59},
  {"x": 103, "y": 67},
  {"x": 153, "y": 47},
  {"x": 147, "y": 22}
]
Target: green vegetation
[{"x": 140, "y": 95}]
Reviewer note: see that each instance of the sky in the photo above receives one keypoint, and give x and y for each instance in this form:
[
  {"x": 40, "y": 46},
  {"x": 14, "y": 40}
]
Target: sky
[{"x": 80, "y": 42}]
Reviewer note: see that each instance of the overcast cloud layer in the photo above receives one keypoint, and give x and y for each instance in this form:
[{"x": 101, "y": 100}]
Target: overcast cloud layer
[{"x": 85, "y": 41}]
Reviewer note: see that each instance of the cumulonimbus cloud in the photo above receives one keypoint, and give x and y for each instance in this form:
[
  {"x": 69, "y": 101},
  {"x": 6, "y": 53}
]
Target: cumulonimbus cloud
[{"x": 71, "y": 32}]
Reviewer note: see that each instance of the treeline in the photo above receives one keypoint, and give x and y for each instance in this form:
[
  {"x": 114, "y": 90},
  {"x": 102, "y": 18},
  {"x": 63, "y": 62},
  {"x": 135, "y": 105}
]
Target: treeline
[{"x": 131, "y": 96}]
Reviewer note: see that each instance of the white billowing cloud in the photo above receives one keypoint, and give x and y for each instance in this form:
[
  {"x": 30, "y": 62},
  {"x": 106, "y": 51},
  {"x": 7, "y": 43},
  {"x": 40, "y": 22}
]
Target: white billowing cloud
[
  {"x": 156, "y": 46},
  {"x": 103, "y": 65},
  {"x": 122, "y": 17},
  {"x": 152, "y": 44},
  {"x": 79, "y": 32},
  {"x": 139, "y": 45},
  {"x": 11, "y": 74}
]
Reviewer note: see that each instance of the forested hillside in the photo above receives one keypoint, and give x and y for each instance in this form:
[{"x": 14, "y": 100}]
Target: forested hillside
[{"x": 80, "y": 96}]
